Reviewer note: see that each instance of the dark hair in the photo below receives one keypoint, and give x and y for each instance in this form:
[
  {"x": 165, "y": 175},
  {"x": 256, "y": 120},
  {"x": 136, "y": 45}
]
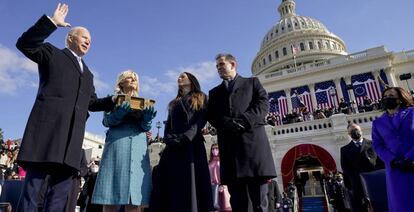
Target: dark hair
[
  {"x": 403, "y": 95},
  {"x": 197, "y": 96},
  {"x": 227, "y": 57}
]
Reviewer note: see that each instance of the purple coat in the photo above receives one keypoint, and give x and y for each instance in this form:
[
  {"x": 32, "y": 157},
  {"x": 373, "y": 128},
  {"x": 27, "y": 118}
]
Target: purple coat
[{"x": 394, "y": 137}]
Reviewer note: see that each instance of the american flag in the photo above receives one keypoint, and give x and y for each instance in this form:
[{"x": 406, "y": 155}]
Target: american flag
[
  {"x": 295, "y": 49},
  {"x": 278, "y": 102},
  {"x": 365, "y": 85},
  {"x": 323, "y": 97},
  {"x": 301, "y": 98}
]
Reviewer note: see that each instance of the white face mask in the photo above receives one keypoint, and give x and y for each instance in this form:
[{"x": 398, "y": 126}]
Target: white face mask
[{"x": 94, "y": 168}]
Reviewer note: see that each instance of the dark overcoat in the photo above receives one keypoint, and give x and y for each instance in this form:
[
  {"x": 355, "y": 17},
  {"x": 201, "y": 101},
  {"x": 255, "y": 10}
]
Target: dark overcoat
[
  {"x": 393, "y": 137},
  {"x": 182, "y": 181},
  {"x": 247, "y": 154},
  {"x": 56, "y": 126},
  {"x": 356, "y": 160}
]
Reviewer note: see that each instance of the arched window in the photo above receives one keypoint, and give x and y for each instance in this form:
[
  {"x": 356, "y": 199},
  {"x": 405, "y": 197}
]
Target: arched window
[
  {"x": 264, "y": 61},
  {"x": 302, "y": 46},
  {"x": 270, "y": 58},
  {"x": 277, "y": 54},
  {"x": 310, "y": 45},
  {"x": 284, "y": 51},
  {"x": 319, "y": 45}
]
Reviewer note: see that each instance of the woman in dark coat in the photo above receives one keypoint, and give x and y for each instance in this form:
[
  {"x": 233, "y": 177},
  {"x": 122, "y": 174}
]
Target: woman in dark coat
[
  {"x": 182, "y": 182},
  {"x": 393, "y": 140}
]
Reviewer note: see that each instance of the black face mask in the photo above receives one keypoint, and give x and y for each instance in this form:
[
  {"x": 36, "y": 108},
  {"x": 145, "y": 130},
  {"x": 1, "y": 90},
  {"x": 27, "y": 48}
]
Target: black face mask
[
  {"x": 355, "y": 134},
  {"x": 390, "y": 103}
]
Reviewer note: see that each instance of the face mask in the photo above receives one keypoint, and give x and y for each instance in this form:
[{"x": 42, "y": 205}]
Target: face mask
[
  {"x": 355, "y": 134},
  {"x": 390, "y": 103},
  {"x": 94, "y": 169},
  {"x": 215, "y": 152}
]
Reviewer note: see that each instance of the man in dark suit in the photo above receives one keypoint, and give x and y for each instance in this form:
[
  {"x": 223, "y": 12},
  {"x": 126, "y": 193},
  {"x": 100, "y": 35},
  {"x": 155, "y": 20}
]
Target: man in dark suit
[
  {"x": 356, "y": 157},
  {"x": 274, "y": 196},
  {"x": 237, "y": 109},
  {"x": 52, "y": 141}
]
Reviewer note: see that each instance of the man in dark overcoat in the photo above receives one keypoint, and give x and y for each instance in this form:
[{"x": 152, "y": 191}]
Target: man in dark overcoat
[
  {"x": 358, "y": 156},
  {"x": 237, "y": 109},
  {"x": 52, "y": 141}
]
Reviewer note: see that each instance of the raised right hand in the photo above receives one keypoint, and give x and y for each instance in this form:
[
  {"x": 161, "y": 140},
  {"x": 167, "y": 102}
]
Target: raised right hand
[{"x": 60, "y": 14}]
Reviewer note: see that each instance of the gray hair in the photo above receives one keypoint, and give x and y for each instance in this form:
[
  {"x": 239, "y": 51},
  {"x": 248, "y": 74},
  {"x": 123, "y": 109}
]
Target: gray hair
[{"x": 72, "y": 32}]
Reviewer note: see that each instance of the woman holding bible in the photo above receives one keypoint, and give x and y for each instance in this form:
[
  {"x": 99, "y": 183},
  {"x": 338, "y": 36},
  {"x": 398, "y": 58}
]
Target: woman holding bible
[{"x": 124, "y": 176}]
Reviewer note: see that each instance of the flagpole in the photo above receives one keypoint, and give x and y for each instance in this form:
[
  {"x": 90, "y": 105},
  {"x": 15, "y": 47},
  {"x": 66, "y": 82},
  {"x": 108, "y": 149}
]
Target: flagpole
[
  {"x": 294, "y": 60},
  {"x": 294, "y": 56}
]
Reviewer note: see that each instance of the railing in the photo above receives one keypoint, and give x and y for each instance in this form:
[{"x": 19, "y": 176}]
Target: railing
[
  {"x": 335, "y": 60},
  {"x": 307, "y": 127},
  {"x": 363, "y": 118},
  {"x": 323, "y": 126},
  {"x": 410, "y": 54},
  {"x": 358, "y": 55}
]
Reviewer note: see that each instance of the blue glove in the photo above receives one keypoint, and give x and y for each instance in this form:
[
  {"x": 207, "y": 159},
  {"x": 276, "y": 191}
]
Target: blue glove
[
  {"x": 122, "y": 110},
  {"x": 148, "y": 114}
]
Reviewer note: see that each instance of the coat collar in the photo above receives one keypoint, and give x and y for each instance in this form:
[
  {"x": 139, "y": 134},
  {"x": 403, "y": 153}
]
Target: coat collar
[
  {"x": 402, "y": 114},
  {"x": 74, "y": 60}
]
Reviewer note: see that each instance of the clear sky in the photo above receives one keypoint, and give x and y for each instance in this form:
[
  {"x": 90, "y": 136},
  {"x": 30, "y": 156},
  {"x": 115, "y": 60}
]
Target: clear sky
[{"x": 160, "y": 39}]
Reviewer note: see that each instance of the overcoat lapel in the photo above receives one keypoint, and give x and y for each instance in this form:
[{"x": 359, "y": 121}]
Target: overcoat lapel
[{"x": 73, "y": 59}]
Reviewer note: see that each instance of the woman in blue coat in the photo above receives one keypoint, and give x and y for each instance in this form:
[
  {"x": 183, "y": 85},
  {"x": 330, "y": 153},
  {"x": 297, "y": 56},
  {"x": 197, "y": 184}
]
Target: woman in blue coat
[
  {"x": 393, "y": 140},
  {"x": 124, "y": 176},
  {"x": 182, "y": 180}
]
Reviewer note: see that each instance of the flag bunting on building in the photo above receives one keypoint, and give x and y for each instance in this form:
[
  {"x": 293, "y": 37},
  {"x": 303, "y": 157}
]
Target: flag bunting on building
[{"x": 365, "y": 85}]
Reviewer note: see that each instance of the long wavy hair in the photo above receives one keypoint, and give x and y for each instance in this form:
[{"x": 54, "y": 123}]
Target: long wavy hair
[
  {"x": 404, "y": 96},
  {"x": 198, "y": 98}
]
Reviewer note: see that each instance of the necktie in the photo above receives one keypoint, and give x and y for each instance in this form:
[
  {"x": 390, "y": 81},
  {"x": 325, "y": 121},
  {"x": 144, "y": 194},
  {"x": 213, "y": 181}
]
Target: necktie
[
  {"x": 226, "y": 84},
  {"x": 80, "y": 63},
  {"x": 358, "y": 144}
]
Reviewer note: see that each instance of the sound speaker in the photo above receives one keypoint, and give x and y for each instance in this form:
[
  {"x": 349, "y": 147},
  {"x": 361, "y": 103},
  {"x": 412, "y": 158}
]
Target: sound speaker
[{"x": 406, "y": 76}]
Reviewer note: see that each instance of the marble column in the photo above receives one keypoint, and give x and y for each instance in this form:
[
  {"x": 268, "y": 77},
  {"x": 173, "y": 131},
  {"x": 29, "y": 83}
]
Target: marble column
[
  {"x": 339, "y": 91},
  {"x": 390, "y": 73},
  {"x": 289, "y": 100},
  {"x": 376, "y": 75},
  {"x": 313, "y": 96},
  {"x": 351, "y": 94}
]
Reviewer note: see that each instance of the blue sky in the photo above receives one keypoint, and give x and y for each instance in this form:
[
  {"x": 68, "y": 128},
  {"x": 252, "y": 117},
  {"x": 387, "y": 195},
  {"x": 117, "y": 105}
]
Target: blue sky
[{"x": 160, "y": 39}]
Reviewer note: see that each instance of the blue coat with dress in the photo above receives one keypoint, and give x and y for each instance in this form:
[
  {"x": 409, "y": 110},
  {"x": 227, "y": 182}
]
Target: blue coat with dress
[
  {"x": 394, "y": 137},
  {"x": 125, "y": 174}
]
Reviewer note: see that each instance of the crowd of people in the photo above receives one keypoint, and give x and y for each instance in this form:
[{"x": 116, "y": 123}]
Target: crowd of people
[
  {"x": 303, "y": 114},
  {"x": 10, "y": 170}
]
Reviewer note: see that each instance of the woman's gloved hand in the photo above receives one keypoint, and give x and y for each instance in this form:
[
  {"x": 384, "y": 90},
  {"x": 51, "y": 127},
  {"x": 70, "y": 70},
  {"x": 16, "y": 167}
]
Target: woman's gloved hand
[
  {"x": 148, "y": 114},
  {"x": 122, "y": 110}
]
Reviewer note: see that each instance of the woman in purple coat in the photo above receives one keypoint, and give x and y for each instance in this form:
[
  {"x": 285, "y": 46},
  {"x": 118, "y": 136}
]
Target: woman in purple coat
[{"x": 393, "y": 140}]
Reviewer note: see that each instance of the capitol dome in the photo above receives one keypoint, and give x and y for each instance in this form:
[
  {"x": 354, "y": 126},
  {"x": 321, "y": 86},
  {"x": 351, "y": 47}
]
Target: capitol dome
[{"x": 294, "y": 41}]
